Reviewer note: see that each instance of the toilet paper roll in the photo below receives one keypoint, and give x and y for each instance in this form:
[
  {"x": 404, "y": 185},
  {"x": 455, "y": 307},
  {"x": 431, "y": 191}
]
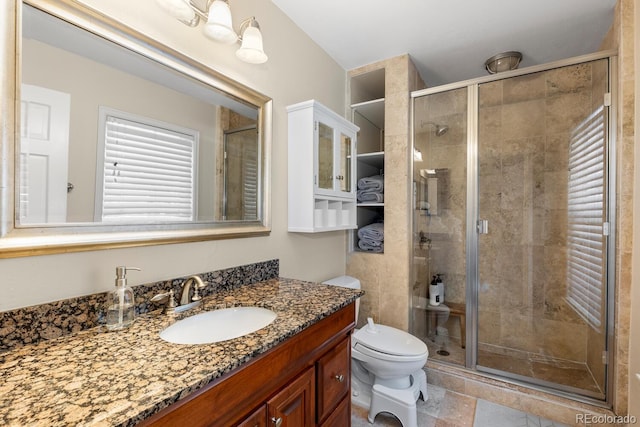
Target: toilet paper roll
[
  {"x": 345, "y": 217},
  {"x": 332, "y": 217}
]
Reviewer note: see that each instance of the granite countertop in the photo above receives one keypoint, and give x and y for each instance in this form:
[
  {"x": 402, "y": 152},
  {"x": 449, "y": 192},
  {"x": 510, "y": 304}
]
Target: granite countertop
[{"x": 100, "y": 378}]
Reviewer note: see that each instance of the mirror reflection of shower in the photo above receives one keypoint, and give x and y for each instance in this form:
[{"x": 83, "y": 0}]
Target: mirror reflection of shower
[{"x": 439, "y": 129}]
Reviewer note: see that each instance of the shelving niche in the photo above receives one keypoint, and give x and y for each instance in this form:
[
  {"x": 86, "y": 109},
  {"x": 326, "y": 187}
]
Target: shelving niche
[{"x": 367, "y": 94}]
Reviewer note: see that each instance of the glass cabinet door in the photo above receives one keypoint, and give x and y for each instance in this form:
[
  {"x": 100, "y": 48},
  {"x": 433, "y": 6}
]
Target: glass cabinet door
[
  {"x": 325, "y": 156},
  {"x": 344, "y": 173}
]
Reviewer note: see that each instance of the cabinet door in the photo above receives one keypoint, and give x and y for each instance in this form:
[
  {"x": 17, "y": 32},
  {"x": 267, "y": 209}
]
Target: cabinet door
[
  {"x": 344, "y": 152},
  {"x": 341, "y": 416},
  {"x": 294, "y": 405},
  {"x": 334, "y": 158},
  {"x": 334, "y": 378},
  {"x": 257, "y": 419},
  {"x": 325, "y": 159}
]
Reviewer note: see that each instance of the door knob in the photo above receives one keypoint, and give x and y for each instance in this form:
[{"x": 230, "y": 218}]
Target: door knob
[
  {"x": 340, "y": 378},
  {"x": 276, "y": 421}
]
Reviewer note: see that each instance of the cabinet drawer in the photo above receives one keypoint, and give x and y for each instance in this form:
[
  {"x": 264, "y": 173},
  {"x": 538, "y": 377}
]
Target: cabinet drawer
[
  {"x": 341, "y": 416},
  {"x": 333, "y": 378}
]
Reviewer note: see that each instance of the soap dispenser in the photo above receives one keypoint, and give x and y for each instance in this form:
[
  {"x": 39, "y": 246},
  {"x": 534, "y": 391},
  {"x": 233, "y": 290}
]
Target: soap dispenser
[
  {"x": 440, "y": 284},
  {"x": 121, "y": 302},
  {"x": 434, "y": 296}
]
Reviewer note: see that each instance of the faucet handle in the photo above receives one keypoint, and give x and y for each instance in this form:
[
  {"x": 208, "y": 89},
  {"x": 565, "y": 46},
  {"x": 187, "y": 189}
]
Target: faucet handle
[
  {"x": 171, "y": 303},
  {"x": 199, "y": 285}
]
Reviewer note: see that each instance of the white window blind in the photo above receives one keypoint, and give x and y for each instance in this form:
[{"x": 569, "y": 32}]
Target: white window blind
[
  {"x": 149, "y": 172},
  {"x": 586, "y": 243},
  {"x": 250, "y": 184}
]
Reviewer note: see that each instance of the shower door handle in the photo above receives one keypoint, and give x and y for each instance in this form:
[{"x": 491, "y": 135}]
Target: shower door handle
[{"x": 483, "y": 226}]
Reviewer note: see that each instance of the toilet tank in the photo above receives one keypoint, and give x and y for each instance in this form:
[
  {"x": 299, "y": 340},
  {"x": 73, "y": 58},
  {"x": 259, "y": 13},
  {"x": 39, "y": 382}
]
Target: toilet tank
[{"x": 346, "y": 282}]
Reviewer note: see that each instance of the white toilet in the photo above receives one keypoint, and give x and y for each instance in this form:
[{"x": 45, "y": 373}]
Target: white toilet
[{"x": 386, "y": 367}]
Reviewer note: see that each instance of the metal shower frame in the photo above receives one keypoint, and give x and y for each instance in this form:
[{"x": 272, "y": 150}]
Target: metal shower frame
[{"x": 472, "y": 198}]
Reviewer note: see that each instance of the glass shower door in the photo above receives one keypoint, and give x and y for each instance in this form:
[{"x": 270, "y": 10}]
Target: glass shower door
[
  {"x": 542, "y": 156},
  {"x": 241, "y": 171},
  {"x": 439, "y": 224}
]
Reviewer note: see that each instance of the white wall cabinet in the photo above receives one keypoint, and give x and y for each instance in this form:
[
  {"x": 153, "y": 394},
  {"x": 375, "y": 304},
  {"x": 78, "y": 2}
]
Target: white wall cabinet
[{"x": 322, "y": 181}]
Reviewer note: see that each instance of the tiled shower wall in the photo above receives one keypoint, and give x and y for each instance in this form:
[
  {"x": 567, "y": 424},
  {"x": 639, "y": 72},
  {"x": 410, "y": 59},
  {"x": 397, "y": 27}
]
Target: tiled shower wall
[
  {"x": 525, "y": 127},
  {"x": 620, "y": 37}
]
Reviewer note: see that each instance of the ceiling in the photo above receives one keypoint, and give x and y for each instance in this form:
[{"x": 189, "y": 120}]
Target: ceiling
[{"x": 449, "y": 40}]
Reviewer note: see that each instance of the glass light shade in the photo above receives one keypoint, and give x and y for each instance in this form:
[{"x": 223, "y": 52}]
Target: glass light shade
[
  {"x": 219, "y": 26},
  {"x": 178, "y": 9},
  {"x": 251, "y": 50},
  {"x": 504, "y": 61}
]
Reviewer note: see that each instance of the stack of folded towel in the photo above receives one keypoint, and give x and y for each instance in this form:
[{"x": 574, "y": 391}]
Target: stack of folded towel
[
  {"x": 371, "y": 189},
  {"x": 371, "y": 237}
]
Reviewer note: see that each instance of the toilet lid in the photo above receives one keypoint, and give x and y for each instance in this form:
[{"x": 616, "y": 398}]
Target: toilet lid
[{"x": 385, "y": 339}]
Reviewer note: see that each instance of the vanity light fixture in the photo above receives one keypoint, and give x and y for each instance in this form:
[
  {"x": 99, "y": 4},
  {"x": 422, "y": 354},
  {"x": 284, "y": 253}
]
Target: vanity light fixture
[{"x": 219, "y": 25}]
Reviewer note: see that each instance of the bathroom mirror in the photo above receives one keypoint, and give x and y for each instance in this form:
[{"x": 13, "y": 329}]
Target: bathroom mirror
[{"x": 116, "y": 140}]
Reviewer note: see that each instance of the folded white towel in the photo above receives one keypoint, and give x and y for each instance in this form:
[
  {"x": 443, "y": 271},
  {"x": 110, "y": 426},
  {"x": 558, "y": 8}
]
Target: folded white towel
[
  {"x": 370, "y": 196},
  {"x": 375, "y": 182},
  {"x": 367, "y": 246},
  {"x": 372, "y": 232}
]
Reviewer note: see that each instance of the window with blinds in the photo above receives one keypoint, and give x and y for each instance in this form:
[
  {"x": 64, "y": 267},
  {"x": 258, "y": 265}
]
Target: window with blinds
[
  {"x": 586, "y": 216},
  {"x": 147, "y": 170},
  {"x": 250, "y": 185}
]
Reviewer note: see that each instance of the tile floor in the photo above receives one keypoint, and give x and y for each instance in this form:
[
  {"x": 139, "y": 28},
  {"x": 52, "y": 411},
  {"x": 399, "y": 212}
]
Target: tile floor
[
  {"x": 445, "y": 408},
  {"x": 526, "y": 364}
]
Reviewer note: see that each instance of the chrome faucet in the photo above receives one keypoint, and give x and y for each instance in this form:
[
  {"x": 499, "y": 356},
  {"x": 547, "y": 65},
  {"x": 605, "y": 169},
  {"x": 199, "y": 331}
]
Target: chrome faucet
[{"x": 185, "y": 303}]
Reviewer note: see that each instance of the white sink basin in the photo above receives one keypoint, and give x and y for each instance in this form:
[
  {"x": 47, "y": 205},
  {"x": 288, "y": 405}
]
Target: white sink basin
[{"x": 218, "y": 325}]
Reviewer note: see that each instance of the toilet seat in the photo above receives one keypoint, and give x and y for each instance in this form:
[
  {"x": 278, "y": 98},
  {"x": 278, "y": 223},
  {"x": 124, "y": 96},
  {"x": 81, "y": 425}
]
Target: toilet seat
[{"x": 385, "y": 342}]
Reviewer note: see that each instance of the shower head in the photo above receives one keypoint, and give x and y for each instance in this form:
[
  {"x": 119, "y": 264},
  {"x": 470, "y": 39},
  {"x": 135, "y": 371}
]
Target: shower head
[{"x": 440, "y": 129}]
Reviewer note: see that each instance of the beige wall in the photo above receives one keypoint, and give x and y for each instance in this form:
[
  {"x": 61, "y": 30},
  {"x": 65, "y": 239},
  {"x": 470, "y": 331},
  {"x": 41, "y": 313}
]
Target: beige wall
[
  {"x": 634, "y": 350},
  {"x": 94, "y": 85},
  {"x": 297, "y": 70}
]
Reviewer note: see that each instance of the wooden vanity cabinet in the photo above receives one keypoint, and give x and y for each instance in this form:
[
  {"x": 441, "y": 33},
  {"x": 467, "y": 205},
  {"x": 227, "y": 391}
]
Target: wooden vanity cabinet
[
  {"x": 257, "y": 419},
  {"x": 333, "y": 379},
  {"x": 303, "y": 381},
  {"x": 292, "y": 406}
]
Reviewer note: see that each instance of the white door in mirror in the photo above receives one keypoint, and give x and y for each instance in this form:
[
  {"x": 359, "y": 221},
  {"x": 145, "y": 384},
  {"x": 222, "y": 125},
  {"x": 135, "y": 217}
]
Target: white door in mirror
[
  {"x": 44, "y": 152},
  {"x": 218, "y": 325}
]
